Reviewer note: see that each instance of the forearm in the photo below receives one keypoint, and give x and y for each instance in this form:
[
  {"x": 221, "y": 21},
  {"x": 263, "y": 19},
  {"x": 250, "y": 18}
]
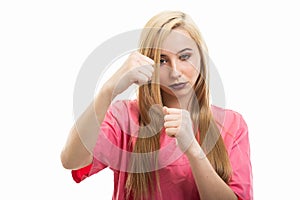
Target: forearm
[
  {"x": 209, "y": 184},
  {"x": 83, "y": 135}
]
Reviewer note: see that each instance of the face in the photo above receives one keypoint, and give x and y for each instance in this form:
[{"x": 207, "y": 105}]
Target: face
[{"x": 179, "y": 64}]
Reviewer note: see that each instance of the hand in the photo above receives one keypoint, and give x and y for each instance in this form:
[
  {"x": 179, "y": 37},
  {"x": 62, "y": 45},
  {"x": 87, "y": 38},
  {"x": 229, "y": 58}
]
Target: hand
[
  {"x": 136, "y": 69},
  {"x": 178, "y": 124}
]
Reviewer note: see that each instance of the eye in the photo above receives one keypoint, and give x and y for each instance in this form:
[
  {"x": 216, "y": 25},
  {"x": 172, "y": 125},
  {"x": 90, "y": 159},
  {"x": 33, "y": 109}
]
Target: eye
[
  {"x": 163, "y": 61},
  {"x": 184, "y": 57}
]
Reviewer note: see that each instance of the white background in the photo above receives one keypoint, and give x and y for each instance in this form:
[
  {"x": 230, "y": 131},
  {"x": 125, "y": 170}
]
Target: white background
[{"x": 254, "y": 44}]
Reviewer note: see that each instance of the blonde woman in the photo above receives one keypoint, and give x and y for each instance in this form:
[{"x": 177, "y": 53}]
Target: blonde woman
[{"x": 170, "y": 142}]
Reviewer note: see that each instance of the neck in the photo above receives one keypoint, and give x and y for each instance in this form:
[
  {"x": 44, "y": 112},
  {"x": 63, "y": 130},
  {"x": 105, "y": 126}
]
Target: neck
[{"x": 180, "y": 102}]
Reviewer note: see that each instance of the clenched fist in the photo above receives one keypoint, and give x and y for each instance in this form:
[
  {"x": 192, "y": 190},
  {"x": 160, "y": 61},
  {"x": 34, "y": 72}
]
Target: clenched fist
[
  {"x": 178, "y": 124},
  {"x": 137, "y": 69}
]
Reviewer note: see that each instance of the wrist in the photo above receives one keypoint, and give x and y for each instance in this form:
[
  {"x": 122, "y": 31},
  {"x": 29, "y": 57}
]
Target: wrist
[{"x": 195, "y": 150}]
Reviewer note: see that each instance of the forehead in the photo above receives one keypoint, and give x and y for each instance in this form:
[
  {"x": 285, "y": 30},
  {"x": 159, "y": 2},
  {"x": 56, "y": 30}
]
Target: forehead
[{"x": 177, "y": 40}]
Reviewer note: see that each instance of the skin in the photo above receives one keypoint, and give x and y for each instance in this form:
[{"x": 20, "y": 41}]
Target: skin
[
  {"x": 180, "y": 63},
  {"x": 137, "y": 69},
  {"x": 176, "y": 67},
  {"x": 178, "y": 123}
]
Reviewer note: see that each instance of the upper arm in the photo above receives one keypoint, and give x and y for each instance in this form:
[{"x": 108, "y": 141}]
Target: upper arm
[
  {"x": 239, "y": 155},
  {"x": 111, "y": 145}
]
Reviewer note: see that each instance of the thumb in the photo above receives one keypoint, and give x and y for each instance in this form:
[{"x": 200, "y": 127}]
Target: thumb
[{"x": 165, "y": 110}]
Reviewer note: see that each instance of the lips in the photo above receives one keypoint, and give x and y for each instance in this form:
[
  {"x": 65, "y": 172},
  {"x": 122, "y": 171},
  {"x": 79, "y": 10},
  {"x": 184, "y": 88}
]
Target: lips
[{"x": 178, "y": 86}]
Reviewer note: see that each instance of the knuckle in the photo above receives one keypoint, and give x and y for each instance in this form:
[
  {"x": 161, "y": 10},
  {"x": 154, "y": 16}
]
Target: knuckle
[{"x": 185, "y": 112}]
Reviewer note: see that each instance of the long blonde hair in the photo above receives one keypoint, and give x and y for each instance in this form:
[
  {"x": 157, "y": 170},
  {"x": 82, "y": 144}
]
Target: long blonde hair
[{"x": 142, "y": 184}]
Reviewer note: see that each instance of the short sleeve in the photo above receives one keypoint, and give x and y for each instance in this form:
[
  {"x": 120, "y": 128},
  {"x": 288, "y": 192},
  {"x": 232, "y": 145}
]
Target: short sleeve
[
  {"x": 239, "y": 155},
  {"x": 106, "y": 148},
  {"x": 79, "y": 175}
]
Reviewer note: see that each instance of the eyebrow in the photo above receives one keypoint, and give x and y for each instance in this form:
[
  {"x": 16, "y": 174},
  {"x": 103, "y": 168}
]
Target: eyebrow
[{"x": 185, "y": 49}]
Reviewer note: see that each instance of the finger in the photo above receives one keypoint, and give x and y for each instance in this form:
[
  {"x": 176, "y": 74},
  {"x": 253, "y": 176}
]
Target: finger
[
  {"x": 149, "y": 68},
  {"x": 171, "y": 131},
  {"x": 146, "y": 67},
  {"x": 141, "y": 79},
  {"x": 171, "y": 124},
  {"x": 173, "y": 111},
  {"x": 165, "y": 110},
  {"x": 171, "y": 117},
  {"x": 146, "y": 71},
  {"x": 147, "y": 59}
]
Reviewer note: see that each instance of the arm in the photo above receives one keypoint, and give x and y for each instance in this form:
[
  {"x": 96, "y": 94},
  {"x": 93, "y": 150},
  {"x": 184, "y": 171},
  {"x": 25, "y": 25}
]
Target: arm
[
  {"x": 82, "y": 138},
  {"x": 209, "y": 184},
  {"x": 83, "y": 135}
]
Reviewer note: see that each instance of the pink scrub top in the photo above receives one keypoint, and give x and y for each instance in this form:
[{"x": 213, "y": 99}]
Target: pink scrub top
[{"x": 114, "y": 149}]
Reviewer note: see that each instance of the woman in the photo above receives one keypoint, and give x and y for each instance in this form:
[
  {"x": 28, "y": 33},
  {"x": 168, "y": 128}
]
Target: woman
[{"x": 169, "y": 143}]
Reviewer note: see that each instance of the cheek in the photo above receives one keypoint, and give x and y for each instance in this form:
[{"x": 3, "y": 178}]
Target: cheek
[
  {"x": 193, "y": 69},
  {"x": 191, "y": 72},
  {"x": 163, "y": 76},
  {"x": 163, "y": 81}
]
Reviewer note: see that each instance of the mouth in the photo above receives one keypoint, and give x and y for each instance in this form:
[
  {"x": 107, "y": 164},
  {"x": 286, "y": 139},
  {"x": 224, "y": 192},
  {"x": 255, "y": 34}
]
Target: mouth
[{"x": 178, "y": 86}]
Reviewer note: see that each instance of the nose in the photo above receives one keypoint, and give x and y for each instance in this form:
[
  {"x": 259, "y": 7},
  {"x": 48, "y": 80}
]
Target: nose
[{"x": 175, "y": 73}]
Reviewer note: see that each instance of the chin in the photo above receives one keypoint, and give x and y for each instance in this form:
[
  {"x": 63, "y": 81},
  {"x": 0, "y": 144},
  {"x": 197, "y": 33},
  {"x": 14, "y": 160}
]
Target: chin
[{"x": 177, "y": 93}]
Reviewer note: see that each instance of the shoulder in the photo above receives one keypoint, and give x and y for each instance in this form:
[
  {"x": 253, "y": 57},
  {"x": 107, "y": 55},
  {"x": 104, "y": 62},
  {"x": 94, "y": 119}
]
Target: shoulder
[
  {"x": 124, "y": 106},
  {"x": 231, "y": 123},
  {"x": 228, "y": 117},
  {"x": 125, "y": 114}
]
